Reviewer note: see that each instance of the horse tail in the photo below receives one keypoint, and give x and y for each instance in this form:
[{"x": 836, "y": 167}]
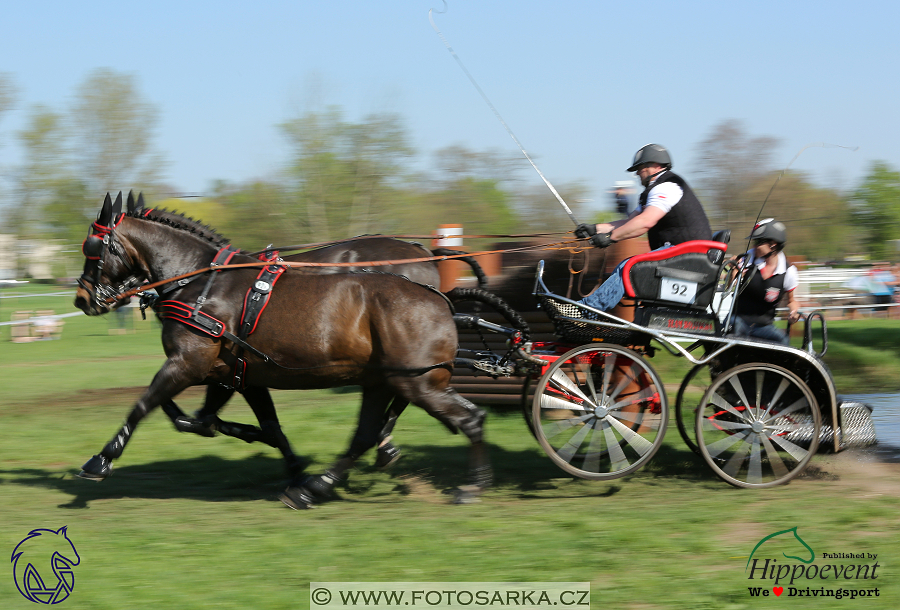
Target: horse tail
[
  {"x": 476, "y": 268},
  {"x": 509, "y": 314}
]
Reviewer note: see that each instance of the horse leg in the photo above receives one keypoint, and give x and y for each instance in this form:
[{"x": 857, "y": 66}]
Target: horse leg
[
  {"x": 169, "y": 381},
  {"x": 203, "y": 422},
  {"x": 269, "y": 431},
  {"x": 369, "y": 427},
  {"x": 388, "y": 453},
  {"x": 458, "y": 414},
  {"x": 206, "y": 422}
]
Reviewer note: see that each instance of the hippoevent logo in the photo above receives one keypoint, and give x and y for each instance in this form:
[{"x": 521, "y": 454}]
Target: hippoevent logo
[
  {"x": 42, "y": 566},
  {"x": 784, "y": 564}
]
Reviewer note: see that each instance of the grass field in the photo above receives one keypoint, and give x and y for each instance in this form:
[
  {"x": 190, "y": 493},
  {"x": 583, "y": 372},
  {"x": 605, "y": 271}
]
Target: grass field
[{"x": 190, "y": 522}]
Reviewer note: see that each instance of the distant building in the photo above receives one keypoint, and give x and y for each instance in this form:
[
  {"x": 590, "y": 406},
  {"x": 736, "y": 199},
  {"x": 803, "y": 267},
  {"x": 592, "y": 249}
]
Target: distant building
[
  {"x": 7, "y": 257},
  {"x": 40, "y": 264}
]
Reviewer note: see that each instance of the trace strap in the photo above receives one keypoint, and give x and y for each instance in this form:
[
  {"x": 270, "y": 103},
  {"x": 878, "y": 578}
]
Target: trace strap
[{"x": 255, "y": 302}]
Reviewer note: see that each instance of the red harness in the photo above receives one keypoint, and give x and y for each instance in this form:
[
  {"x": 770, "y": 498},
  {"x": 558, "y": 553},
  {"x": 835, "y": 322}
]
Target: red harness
[{"x": 255, "y": 302}]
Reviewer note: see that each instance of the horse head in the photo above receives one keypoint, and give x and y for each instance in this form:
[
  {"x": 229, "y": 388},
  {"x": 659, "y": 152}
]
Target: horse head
[{"x": 109, "y": 266}]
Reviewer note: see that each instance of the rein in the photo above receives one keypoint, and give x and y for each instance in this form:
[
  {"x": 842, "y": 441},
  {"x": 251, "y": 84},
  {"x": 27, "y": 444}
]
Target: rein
[
  {"x": 292, "y": 264},
  {"x": 322, "y": 244}
]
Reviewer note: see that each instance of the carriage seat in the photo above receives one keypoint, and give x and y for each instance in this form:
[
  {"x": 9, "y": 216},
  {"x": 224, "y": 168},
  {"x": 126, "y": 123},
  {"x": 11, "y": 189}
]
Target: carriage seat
[
  {"x": 682, "y": 276},
  {"x": 723, "y": 236}
]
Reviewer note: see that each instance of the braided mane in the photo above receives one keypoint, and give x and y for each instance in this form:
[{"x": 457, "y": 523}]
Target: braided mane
[{"x": 180, "y": 221}]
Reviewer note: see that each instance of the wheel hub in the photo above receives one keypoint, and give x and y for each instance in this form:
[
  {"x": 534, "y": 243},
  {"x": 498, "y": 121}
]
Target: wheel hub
[
  {"x": 757, "y": 427},
  {"x": 601, "y": 412}
]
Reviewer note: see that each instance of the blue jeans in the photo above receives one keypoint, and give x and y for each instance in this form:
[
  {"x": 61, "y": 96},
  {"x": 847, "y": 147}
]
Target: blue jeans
[
  {"x": 767, "y": 332},
  {"x": 612, "y": 290},
  {"x": 609, "y": 293}
]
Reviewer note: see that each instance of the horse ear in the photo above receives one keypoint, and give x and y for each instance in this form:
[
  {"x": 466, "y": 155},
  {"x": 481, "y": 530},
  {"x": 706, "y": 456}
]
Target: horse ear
[
  {"x": 129, "y": 203},
  {"x": 103, "y": 218},
  {"x": 116, "y": 208}
]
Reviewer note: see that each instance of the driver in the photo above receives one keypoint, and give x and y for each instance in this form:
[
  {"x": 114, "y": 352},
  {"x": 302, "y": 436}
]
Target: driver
[
  {"x": 769, "y": 283},
  {"x": 668, "y": 212}
]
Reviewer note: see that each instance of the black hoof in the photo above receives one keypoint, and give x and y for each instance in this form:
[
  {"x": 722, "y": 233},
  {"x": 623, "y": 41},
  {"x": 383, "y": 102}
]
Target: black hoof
[
  {"x": 96, "y": 469},
  {"x": 189, "y": 424},
  {"x": 319, "y": 486},
  {"x": 467, "y": 494},
  {"x": 311, "y": 490},
  {"x": 388, "y": 455},
  {"x": 297, "y": 498}
]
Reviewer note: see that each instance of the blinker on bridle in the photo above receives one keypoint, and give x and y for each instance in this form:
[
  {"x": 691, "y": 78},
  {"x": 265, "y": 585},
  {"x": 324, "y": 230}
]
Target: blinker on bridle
[{"x": 100, "y": 242}]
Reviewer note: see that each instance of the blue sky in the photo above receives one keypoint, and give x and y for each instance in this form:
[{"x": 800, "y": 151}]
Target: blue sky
[{"x": 582, "y": 84}]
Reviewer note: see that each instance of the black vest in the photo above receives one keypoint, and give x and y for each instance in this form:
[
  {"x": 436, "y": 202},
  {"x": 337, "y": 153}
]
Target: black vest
[
  {"x": 686, "y": 220},
  {"x": 756, "y": 305}
]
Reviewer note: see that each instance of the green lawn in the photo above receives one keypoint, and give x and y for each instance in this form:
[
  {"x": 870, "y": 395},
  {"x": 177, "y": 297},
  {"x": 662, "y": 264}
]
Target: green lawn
[{"x": 190, "y": 522}]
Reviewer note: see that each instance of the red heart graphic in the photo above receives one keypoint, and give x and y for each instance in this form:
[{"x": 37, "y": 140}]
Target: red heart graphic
[{"x": 777, "y": 590}]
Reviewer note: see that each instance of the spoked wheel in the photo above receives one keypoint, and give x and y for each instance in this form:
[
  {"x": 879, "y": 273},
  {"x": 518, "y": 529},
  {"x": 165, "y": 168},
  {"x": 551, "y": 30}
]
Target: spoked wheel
[
  {"x": 527, "y": 398},
  {"x": 758, "y": 425},
  {"x": 686, "y": 404},
  {"x": 600, "y": 412}
]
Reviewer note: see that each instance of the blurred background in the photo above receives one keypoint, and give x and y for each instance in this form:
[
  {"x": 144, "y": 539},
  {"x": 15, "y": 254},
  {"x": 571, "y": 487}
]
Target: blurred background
[{"x": 297, "y": 122}]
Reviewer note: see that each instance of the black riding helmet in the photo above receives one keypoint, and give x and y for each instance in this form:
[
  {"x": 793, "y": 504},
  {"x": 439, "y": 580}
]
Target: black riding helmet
[
  {"x": 651, "y": 153},
  {"x": 770, "y": 229}
]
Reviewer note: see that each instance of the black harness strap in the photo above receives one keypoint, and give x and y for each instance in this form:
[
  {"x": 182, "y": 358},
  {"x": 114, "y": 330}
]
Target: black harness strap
[
  {"x": 257, "y": 298},
  {"x": 255, "y": 302},
  {"x": 190, "y": 316},
  {"x": 222, "y": 257}
]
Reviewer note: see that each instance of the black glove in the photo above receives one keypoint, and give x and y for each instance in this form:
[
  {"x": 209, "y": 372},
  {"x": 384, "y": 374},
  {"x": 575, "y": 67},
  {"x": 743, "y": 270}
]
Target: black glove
[
  {"x": 602, "y": 240},
  {"x": 583, "y": 231}
]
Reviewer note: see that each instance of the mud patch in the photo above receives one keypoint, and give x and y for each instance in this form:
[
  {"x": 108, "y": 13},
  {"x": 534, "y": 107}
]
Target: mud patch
[
  {"x": 862, "y": 471},
  {"x": 419, "y": 487},
  {"x": 120, "y": 397}
]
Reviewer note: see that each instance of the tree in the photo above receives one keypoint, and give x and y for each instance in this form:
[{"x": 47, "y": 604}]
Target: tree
[
  {"x": 7, "y": 100},
  {"x": 344, "y": 174},
  {"x": 258, "y": 214},
  {"x": 45, "y": 180},
  {"x": 818, "y": 221},
  {"x": 113, "y": 129},
  {"x": 540, "y": 212},
  {"x": 7, "y": 93},
  {"x": 729, "y": 163},
  {"x": 876, "y": 207},
  {"x": 470, "y": 188}
]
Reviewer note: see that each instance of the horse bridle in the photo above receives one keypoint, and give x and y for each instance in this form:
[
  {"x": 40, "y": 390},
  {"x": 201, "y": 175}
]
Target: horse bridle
[{"x": 100, "y": 243}]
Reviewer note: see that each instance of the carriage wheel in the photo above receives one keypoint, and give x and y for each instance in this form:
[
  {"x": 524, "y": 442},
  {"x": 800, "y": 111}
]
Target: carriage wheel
[
  {"x": 600, "y": 412},
  {"x": 686, "y": 418},
  {"x": 525, "y": 403},
  {"x": 758, "y": 425}
]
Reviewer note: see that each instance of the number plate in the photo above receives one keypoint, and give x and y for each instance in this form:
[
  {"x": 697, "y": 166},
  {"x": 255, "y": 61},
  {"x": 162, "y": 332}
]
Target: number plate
[{"x": 679, "y": 291}]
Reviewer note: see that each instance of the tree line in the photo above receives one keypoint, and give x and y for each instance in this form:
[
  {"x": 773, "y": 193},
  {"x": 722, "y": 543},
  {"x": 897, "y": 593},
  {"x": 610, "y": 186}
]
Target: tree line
[{"x": 344, "y": 178}]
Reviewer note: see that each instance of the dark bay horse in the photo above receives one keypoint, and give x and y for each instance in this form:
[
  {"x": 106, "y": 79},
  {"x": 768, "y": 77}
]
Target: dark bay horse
[
  {"x": 362, "y": 249},
  {"x": 392, "y": 337}
]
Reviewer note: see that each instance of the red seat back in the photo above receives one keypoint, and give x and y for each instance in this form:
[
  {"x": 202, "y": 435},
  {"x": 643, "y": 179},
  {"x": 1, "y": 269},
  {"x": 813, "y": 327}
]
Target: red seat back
[{"x": 685, "y": 274}]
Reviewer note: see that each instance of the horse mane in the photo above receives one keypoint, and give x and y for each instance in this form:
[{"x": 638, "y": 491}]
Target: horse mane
[{"x": 179, "y": 221}]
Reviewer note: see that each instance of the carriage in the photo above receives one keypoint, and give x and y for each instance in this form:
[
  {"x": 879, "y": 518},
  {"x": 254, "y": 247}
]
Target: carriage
[{"x": 600, "y": 411}]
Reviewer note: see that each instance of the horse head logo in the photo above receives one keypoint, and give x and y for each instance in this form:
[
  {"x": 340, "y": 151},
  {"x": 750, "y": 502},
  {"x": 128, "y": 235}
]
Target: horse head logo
[
  {"x": 42, "y": 566},
  {"x": 786, "y": 541}
]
